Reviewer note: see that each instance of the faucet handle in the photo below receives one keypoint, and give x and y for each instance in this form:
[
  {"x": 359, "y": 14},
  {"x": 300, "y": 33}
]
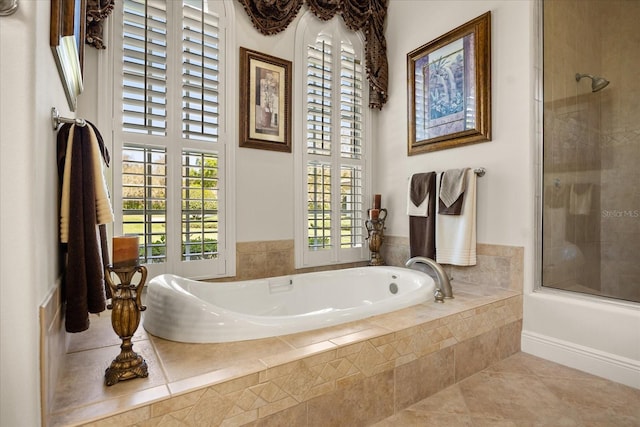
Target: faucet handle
[{"x": 438, "y": 296}]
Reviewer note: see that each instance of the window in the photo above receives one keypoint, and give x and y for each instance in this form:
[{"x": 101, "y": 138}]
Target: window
[
  {"x": 170, "y": 142},
  {"x": 332, "y": 158}
]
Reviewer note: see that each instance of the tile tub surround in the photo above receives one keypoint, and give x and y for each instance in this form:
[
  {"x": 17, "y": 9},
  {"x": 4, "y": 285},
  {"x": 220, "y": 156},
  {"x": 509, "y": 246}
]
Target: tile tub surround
[
  {"x": 497, "y": 265},
  {"x": 272, "y": 258},
  {"x": 361, "y": 371}
]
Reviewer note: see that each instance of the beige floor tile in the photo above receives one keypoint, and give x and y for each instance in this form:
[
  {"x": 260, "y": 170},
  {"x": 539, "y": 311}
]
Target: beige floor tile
[
  {"x": 448, "y": 401},
  {"x": 524, "y": 390}
]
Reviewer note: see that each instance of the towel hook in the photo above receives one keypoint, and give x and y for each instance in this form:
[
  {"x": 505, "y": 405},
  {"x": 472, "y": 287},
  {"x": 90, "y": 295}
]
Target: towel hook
[{"x": 56, "y": 119}]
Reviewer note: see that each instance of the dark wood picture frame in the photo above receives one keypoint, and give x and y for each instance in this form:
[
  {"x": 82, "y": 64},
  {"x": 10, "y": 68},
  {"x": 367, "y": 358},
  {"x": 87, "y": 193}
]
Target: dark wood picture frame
[
  {"x": 449, "y": 89},
  {"x": 265, "y": 101},
  {"x": 66, "y": 38}
]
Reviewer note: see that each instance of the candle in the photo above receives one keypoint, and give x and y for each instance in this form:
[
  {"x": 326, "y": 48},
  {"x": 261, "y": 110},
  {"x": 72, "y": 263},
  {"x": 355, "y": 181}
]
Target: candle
[
  {"x": 374, "y": 213},
  {"x": 376, "y": 201},
  {"x": 125, "y": 251}
]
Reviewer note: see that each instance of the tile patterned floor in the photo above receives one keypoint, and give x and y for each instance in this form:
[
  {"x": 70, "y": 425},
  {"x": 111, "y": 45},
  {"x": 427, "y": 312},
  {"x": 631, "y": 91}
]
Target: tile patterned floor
[{"x": 524, "y": 390}]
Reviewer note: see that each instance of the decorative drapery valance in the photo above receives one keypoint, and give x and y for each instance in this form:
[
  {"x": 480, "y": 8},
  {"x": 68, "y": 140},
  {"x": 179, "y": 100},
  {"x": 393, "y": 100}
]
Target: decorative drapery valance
[
  {"x": 273, "y": 16},
  {"x": 97, "y": 12}
]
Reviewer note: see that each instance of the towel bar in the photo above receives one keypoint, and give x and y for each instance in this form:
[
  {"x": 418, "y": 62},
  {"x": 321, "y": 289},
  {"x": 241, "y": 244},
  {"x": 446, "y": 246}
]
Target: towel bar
[
  {"x": 56, "y": 119},
  {"x": 479, "y": 171}
]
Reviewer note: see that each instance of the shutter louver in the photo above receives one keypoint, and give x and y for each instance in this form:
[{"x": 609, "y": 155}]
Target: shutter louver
[
  {"x": 144, "y": 200},
  {"x": 319, "y": 205},
  {"x": 350, "y": 103},
  {"x": 144, "y": 82},
  {"x": 351, "y": 221},
  {"x": 199, "y": 206},
  {"x": 200, "y": 79},
  {"x": 319, "y": 89}
]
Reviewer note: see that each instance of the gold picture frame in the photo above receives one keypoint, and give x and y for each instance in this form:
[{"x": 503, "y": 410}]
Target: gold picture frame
[
  {"x": 66, "y": 38},
  {"x": 449, "y": 89},
  {"x": 265, "y": 101}
]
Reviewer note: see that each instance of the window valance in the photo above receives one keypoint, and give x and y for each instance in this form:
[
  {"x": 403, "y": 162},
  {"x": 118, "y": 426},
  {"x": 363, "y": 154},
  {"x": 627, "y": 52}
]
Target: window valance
[{"x": 273, "y": 16}]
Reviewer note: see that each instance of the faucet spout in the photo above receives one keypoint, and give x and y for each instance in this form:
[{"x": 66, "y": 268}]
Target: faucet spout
[{"x": 444, "y": 285}]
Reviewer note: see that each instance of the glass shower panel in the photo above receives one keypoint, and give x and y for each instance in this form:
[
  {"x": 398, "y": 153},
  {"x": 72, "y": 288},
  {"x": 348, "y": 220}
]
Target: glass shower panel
[{"x": 591, "y": 148}]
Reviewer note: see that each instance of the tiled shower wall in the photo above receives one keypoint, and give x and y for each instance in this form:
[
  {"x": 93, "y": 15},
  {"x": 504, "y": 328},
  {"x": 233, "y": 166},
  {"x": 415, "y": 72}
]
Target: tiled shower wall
[
  {"x": 572, "y": 133},
  {"x": 620, "y": 151},
  {"x": 592, "y": 144}
]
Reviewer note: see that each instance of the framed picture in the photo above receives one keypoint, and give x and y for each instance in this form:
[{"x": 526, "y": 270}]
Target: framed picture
[
  {"x": 265, "y": 101},
  {"x": 66, "y": 38},
  {"x": 449, "y": 89}
]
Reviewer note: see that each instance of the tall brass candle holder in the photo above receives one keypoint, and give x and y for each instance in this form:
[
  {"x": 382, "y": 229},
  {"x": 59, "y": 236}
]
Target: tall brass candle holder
[
  {"x": 375, "y": 230},
  {"x": 126, "y": 305}
]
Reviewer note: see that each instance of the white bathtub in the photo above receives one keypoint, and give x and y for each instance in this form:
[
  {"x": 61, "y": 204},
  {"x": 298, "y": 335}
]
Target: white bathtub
[{"x": 180, "y": 309}]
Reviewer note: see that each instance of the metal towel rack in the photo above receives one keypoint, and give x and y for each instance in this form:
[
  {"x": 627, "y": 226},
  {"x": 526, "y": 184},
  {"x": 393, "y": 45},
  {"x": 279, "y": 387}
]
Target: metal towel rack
[
  {"x": 56, "y": 120},
  {"x": 8, "y": 7},
  {"x": 478, "y": 171}
]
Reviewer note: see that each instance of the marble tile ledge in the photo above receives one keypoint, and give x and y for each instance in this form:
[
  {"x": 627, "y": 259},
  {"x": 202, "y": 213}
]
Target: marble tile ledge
[{"x": 180, "y": 373}]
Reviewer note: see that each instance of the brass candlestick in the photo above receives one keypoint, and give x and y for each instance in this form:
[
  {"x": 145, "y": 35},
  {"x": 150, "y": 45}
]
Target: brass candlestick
[
  {"x": 375, "y": 229},
  {"x": 126, "y": 305}
]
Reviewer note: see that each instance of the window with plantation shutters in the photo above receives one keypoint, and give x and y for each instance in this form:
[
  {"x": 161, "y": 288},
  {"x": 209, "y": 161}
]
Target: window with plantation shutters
[
  {"x": 333, "y": 160},
  {"x": 170, "y": 136}
]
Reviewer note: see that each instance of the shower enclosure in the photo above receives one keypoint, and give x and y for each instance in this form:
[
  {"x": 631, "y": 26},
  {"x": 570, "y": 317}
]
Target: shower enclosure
[{"x": 590, "y": 195}]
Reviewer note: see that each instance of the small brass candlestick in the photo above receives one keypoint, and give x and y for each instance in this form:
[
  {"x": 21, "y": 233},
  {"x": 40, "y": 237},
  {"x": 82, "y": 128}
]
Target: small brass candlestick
[
  {"x": 126, "y": 305},
  {"x": 375, "y": 229}
]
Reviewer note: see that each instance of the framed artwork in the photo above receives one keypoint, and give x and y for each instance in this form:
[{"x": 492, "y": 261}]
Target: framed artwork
[
  {"x": 265, "y": 101},
  {"x": 449, "y": 89},
  {"x": 66, "y": 38}
]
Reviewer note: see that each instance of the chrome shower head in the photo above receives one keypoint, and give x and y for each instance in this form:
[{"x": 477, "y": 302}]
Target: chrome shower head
[{"x": 597, "y": 83}]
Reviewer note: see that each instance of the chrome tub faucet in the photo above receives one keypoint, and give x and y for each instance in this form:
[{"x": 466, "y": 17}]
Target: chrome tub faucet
[{"x": 443, "y": 285}]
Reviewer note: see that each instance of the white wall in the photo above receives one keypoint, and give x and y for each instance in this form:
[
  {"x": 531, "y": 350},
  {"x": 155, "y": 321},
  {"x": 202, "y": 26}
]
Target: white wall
[
  {"x": 264, "y": 179},
  {"x": 28, "y": 209},
  {"x": 507, "y": 157}
]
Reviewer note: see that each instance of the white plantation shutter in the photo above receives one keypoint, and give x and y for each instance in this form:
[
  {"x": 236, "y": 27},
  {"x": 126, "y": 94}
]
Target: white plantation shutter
[
  {"x": 351, "y": 149},
  {"x": 319, "y": 94},
  {"x": 334, "y": 155},
  {"x": 200, "y": 219},
  {"x": 169, "y": 96},
  {"x": 144, "y": 201},
  {"x": 200, "y": 75},
  {"x": 144, "y": 82},
  {"x": 351, "y": 81}
]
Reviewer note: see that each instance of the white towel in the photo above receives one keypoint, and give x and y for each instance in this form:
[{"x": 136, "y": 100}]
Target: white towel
[
  {"x": 104, "y": 211},
  {"x": 412, "y": 209},
  {"x": 580, "y": 199},
  {"x": 64, "y": 197},
  {"x": 456, "y": 234}
]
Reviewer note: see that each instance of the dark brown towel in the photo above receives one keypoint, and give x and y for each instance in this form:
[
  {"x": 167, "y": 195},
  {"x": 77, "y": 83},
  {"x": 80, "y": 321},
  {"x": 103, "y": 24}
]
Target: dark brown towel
[
  {"x": 420, "y": 185},
  {"x": 454, "y": 209},
  {"x": 83, "y": 278},
  {"x": 422, "y": 230}
]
